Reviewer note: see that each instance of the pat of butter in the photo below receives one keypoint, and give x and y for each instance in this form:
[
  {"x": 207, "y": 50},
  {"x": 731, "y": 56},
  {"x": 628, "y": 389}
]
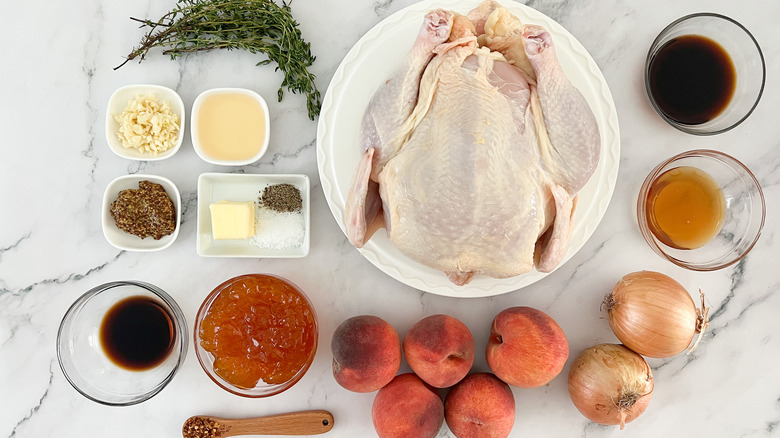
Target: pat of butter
[{"x": 232, "y": 220}]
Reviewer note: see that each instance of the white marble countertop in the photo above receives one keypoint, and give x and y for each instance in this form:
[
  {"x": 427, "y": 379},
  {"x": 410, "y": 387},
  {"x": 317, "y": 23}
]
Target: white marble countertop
[{"x": 57, "y": 76}]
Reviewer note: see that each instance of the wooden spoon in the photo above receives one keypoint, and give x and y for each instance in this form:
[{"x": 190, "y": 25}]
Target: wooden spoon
[{"x": 293, "y": 423}]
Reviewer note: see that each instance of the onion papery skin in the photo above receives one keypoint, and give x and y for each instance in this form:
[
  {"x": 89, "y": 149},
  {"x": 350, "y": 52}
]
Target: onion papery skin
[
  {"x": 605, "y": 376},
  {"x": 652, "y": 314}
]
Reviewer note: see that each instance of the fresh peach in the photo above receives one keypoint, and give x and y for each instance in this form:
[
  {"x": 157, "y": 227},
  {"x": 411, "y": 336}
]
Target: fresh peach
[
  {"x": 439, "y": 349},
  {"x": 366, "y": 353},
  {"x": 480, "y": 406},
  {"x": 527, "y": 348},
  {"x": 407, "y": 408}
]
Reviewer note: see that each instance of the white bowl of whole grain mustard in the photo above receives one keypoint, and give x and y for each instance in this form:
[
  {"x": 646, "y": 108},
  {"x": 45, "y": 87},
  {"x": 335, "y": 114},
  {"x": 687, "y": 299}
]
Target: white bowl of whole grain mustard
[
  {"x": 145, "y": 122},
  {"x": 230, "y": 126},
  {"x": 141, "y": 212}
]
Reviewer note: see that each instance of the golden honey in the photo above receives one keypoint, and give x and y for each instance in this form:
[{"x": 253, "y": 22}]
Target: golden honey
[{"x": 685, "y": 208}]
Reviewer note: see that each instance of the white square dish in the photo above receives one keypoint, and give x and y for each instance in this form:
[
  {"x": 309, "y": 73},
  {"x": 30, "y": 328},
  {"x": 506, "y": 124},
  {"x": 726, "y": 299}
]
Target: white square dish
[
  {"x": 126, "y": 241},
  {"x": 118, "y": 102},
  {"x": 215, "y": 187}
]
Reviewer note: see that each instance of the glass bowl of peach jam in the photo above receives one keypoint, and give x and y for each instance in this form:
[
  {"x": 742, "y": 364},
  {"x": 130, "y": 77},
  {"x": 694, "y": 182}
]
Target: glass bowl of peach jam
[
  {"x": 256, "y": 335},
  {"x": 702, "y": 210}
]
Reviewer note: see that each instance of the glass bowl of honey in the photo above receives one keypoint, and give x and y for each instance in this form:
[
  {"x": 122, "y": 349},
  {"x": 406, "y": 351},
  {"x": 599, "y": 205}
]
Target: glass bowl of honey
[
  {"x": 122, "y": 342},
  {"x": 256, "y": 335},
  {"x": 703, "y": 210},
  {"x": 705, "y": 74}
]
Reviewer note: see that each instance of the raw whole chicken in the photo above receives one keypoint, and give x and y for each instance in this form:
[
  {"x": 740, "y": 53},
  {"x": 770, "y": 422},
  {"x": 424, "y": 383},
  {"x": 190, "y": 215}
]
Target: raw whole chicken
[{"x": 474, "y": 150}]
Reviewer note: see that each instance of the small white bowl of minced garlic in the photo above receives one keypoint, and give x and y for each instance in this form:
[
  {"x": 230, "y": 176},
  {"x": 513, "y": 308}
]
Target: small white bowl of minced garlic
[
  {"x": 145, "y": 122},
  {"x": 230, "y": 126}
]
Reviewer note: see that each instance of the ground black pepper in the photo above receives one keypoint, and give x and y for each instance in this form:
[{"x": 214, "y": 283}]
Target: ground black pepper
[
  {"x": 282, "y": 197},
  {"x": 145, "y": 212}
]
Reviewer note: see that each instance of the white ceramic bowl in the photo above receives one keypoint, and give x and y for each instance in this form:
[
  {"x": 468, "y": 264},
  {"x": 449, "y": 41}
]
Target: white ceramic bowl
[
  {"x": 215, "y": 187},
  {"x": 126, "y": 241},
  {"x": 196, "y": 143},
  {"x": 118, "y": 102}
]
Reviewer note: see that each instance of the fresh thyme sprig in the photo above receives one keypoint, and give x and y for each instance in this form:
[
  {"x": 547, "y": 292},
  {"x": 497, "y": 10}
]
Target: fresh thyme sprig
[{"x": 258, "y": 26}]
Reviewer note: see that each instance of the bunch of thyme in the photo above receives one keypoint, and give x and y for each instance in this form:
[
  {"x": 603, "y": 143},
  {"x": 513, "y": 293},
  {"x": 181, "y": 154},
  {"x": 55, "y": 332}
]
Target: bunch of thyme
[{"x": 258, "y": 26}]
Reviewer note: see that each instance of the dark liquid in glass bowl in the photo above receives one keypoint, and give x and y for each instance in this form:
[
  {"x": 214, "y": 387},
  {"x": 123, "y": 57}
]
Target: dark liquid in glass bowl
[
  {"x": 137, "y": 333},
  {"x": 692, "y": 79}
]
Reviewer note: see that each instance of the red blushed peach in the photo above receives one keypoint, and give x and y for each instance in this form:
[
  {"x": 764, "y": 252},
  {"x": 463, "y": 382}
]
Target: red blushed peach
[
  {"x": 440, "y": 350},
  {"x": 526, "y": 348},
  {"x": 407, "y": 408},
  {"x": 480, "y": 406},
  {"x": 366, "y": 353}
]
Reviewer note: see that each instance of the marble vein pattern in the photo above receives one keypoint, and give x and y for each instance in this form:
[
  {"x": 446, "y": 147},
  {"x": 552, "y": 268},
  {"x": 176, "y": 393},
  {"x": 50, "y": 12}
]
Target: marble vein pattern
[{"x": 56, "y": 77}]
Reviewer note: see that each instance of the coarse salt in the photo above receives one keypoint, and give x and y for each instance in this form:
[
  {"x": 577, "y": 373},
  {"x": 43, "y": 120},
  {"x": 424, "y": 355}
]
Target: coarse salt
[{"x": 278, "y": 230}]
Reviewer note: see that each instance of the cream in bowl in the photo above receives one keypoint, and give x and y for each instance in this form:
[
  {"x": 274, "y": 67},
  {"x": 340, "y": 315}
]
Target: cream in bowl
[{"x": 230, "y": 126}]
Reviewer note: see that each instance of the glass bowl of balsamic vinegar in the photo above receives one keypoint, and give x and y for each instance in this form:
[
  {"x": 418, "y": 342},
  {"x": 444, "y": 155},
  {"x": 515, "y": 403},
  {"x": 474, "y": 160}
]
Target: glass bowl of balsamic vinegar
[
  {"x": 121, "y": 343},
  {"x": 705, "y": 74},
  {"x": 702, "y": 210}
]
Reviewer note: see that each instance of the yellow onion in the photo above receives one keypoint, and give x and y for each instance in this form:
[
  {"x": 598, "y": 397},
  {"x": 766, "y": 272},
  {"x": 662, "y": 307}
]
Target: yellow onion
[
  {"x": 654, "y": 315},
  {"x": 610, "y": 384}
]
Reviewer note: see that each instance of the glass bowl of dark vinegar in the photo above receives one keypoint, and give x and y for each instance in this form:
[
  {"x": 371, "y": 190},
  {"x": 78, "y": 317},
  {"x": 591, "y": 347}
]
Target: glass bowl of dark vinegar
[
  {"x": 705, "y": 74},
  {"x": 122, "y": 342},
  {"x": 702, "y": 210}
]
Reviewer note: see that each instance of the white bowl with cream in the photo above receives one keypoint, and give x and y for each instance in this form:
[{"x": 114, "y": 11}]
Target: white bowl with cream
[
  {"x": 118, "y": 103},
  {"x": 230, "y": 126}
]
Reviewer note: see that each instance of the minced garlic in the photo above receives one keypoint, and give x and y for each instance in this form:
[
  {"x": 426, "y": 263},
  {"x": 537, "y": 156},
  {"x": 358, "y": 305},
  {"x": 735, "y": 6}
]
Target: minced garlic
[{"x": 148, "y": 125}]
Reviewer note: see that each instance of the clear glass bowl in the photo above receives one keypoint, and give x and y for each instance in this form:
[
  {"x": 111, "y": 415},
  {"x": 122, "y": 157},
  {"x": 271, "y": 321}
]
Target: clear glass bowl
[
  {"x": 745, "y": 54},
  {"x": 743, "y": 220},
  {"x": 86, "y": 365},
  {"x": 206, "y": 359}
]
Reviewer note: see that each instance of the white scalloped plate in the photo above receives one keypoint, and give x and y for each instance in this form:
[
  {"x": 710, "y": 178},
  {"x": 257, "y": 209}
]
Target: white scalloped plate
[{"x": 372, "y": 60}]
